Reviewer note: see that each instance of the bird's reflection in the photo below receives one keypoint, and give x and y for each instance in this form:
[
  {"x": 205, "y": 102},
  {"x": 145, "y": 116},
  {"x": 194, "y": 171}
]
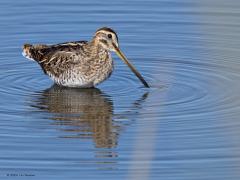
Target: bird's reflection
[{"x": 85, "y": 112}]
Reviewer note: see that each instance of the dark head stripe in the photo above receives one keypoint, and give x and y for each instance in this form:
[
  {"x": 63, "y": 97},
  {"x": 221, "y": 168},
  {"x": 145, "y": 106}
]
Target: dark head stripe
[{"x": 109, "y": 30}]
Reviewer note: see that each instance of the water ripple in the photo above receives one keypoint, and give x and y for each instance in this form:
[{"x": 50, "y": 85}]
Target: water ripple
[{"x": 192, "y": 87}]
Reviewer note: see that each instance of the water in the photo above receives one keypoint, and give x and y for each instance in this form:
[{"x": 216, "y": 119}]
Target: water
[{"x": 186, "y": 126}]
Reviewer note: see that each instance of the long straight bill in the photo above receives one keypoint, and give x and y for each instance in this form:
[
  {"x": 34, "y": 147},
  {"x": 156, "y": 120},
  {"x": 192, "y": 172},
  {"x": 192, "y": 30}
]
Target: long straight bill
[{"x": 121, "y": 55}]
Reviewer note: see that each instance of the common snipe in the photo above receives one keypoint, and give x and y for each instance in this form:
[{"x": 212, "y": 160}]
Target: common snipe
[{"x": 80, "y": 63}]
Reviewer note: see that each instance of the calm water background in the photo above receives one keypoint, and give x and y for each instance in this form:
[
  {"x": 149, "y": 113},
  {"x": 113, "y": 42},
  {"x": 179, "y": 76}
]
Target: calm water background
[{"x": 186, "y": 126}]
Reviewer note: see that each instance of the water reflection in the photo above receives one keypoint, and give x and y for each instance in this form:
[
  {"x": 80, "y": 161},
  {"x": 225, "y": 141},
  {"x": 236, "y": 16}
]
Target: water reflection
[{"x": 83, "y": 113}]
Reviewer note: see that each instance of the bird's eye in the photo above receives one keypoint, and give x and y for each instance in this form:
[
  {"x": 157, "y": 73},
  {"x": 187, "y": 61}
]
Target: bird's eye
[{"x": 109, "y": 36}]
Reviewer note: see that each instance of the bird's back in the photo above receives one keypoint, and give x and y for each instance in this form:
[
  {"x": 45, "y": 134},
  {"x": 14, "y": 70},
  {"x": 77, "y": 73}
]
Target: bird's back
[{"x": 40, "y": 51}]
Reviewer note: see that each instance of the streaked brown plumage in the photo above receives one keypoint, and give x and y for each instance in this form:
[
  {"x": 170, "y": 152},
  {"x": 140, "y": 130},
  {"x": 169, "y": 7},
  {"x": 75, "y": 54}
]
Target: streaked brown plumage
[{"x": 80, "y": 63}]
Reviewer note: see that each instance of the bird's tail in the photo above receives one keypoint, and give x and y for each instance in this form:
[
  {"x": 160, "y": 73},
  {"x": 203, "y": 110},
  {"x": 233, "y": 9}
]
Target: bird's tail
[
  {"x": 33, "y": 52},
  {"x": 27, "y": 51}
]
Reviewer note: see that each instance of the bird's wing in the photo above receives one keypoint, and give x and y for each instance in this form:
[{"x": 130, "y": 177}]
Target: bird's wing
[{"x": 58, "y": 58}]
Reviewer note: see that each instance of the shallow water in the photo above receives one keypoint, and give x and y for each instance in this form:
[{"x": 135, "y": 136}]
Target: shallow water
[{"x": 186, "y": 126}]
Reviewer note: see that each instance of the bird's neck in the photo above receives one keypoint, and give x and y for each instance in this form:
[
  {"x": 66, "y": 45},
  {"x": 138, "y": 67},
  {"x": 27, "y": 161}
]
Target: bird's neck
[{"x": 96, "y": 46}]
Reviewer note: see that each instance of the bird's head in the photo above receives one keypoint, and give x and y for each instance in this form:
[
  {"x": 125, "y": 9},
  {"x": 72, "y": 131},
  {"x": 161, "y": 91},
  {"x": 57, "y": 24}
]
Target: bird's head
[{"x": 108, "y": 39}]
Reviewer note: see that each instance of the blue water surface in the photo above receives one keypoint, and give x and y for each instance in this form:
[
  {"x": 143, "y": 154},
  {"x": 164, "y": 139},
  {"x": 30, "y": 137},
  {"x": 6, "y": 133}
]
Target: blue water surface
[{"x": 185, "y": 127}]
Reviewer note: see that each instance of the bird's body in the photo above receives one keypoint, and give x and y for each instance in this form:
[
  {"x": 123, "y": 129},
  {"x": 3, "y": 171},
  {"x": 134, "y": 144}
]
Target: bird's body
[
  {"x": 80, "y": 63},
  {"x": 73, "y": 64}
]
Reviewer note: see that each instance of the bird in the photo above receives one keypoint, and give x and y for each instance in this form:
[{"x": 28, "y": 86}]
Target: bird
[{"x": 81, "y": 64}]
